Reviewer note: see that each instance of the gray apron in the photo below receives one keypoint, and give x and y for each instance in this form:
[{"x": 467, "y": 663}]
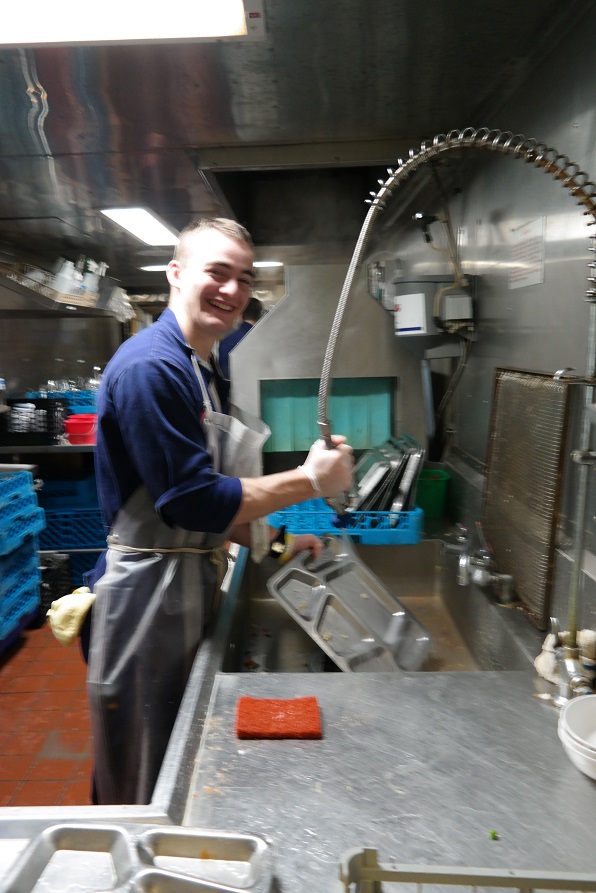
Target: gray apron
[{"x": 152, "y": 604}]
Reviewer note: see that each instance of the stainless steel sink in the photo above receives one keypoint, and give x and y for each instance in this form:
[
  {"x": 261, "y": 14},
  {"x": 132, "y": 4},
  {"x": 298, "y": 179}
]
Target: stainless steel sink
[{"x": 469, "y": 631}]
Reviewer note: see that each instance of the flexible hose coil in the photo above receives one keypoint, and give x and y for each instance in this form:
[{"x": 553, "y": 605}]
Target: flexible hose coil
[
  {"x": 582, "y": 189},
  {"x": 507, "y": 143}
]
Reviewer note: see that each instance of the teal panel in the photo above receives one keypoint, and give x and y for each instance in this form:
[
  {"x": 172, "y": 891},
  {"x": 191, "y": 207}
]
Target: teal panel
[
  {"x": 360, "y": 408},
  {"x": 278, "y": 416},
  {"x": 302, "y": 416}
]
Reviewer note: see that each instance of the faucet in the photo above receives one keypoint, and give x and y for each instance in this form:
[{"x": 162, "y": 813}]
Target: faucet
[
  {"x": 574, "y": 681},
  {"x": 458, "y": 541},
  {"x": 476, "y": 566}
]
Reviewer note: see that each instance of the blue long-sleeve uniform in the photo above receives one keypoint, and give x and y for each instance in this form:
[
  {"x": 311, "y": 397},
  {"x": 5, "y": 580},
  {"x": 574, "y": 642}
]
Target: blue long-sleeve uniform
[{"x": 150, "y": 431}]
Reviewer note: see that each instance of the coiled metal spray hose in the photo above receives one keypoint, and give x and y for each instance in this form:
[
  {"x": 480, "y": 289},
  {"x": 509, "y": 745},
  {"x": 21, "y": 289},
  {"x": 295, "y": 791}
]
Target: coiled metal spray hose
[
  {"x": 517, "y": 145},
  {"x": 582, "y": 189}
]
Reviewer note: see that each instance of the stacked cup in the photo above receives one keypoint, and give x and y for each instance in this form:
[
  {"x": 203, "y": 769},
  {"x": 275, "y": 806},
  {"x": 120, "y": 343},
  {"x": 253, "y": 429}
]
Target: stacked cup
[
  {"x": 577, "y": 731},
  {"x": 21, "y": 418}
]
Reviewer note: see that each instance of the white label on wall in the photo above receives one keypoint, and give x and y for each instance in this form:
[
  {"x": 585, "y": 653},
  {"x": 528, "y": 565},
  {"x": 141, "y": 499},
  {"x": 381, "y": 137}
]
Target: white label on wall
[
  {"x": 527, "y": 254},
  {"x": 410, "y": 315}
]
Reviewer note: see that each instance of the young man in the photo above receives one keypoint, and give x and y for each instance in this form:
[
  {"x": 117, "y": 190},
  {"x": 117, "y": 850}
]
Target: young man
[{"x": 176, "y": 481}]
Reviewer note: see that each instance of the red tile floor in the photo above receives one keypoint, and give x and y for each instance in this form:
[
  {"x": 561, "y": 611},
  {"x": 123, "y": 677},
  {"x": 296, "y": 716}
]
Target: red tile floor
[{"x": 45, "y": 740}]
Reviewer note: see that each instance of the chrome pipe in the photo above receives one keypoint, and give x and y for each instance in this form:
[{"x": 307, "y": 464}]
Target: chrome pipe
[{"x": 581, "y": 514}]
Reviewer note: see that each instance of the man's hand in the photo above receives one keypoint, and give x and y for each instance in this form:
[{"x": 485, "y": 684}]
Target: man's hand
[
  {"x": 330, "y": 471},
  {"x": 306, "y": 541}
]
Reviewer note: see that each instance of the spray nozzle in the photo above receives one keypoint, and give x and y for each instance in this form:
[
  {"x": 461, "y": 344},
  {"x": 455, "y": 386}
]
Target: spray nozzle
[{"x": 424, "y": 220}]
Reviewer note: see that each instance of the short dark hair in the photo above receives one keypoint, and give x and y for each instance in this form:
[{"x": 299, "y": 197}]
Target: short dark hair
[
  {"x": 223, "y": 224},
  {"x": 253, "y": 311}
]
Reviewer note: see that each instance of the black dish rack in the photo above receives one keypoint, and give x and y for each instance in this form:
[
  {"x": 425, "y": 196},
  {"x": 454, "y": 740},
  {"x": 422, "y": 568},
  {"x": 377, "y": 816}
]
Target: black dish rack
[{"x": 46, "y": 427}]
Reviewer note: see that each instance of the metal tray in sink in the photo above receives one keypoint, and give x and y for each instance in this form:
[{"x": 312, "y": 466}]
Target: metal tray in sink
[
  {"x": 128, "y": 858},
  {"x": 348, "y": 612}
]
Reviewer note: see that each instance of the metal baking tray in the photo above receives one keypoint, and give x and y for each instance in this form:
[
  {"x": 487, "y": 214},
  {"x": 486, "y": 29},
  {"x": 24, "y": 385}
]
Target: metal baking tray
[
  {"x": 348, "y": 611},
  {"x": 405, "y": 498},
  {"x": 385, "y": 476},
  {"x": 118, "y": 858},
  {"x": 372, "y": 471}
]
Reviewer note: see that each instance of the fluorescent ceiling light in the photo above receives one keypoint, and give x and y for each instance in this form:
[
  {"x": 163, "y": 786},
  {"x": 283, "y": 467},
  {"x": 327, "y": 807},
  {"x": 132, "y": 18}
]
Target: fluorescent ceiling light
[
  {"x": 160, "y": 268},
  {"x": 143, "y": 225},
  {"x": 63, "y": 22}
]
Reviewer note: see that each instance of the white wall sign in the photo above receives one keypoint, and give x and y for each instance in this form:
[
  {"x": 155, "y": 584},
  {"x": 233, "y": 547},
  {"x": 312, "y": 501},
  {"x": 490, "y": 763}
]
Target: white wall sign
[
  {"x": 527, "y": 254},
  {"x": 410, "y": 315}
]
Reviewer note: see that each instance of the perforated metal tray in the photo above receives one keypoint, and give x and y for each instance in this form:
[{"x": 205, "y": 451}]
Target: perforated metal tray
[
  {"x": 349, "y": 612},
  {"x": 118, "y": 858}
]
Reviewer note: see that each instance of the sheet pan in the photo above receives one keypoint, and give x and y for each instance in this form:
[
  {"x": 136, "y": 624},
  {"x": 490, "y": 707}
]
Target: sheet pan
[{"x": 349, "y": 612}]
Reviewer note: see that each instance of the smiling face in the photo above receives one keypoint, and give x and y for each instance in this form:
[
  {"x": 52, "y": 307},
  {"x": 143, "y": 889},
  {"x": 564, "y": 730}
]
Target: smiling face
[{"x": 210, "y": 286}]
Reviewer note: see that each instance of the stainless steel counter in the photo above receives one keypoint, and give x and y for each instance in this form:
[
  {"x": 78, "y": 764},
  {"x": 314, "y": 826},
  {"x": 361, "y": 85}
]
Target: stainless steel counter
[{"x": 421, "y": 767}]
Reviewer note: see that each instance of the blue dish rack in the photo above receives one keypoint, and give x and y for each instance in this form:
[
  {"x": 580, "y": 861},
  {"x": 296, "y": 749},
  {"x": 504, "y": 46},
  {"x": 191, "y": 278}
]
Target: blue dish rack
[
  {"x": 20, "y": 515},
  {"x": 79, "y": 533},
  {"x": 368, "y": 528},
  {"x": 61, "y": 493},
  {"x": 21, "y": 520},
  {"x": 76, "y": 401},
  {"x": 76, "y": 529},
  {"x": 20, "y": 598}
]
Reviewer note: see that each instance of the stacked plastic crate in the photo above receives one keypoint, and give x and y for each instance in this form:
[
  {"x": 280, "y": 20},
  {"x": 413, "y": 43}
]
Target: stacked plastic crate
[
  {"x": 21, "y": 521},
  {"x": 74, "y": 524},
  {"x": 76, "y": 401}
]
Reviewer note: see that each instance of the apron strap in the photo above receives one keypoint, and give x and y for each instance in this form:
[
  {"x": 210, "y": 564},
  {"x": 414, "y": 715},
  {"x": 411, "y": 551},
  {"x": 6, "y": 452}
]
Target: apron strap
[
  {"x": 119, "y": 547},
  {"x": 210, "y": 396},
  {"x": 218, "y": 556}
]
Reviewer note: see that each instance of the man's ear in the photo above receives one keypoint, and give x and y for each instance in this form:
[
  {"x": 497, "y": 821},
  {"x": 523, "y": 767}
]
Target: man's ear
[{"x": 173, "y": 273}]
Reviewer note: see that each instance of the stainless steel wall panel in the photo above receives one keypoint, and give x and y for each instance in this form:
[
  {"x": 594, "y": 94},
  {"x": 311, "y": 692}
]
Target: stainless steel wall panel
[
  {"x": 290, "y": 341},
  {"x": 542, "y": 326}
]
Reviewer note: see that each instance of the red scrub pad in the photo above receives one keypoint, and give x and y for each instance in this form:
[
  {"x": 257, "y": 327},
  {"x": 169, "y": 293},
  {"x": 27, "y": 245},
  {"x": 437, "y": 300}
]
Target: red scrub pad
[{"x": 274, "y": 718}]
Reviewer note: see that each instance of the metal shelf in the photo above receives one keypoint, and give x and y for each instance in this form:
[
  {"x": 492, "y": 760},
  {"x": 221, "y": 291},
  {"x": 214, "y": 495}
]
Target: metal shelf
[
  {"x": 46, "y": 448},
  {"x": 19, "y": 298}
]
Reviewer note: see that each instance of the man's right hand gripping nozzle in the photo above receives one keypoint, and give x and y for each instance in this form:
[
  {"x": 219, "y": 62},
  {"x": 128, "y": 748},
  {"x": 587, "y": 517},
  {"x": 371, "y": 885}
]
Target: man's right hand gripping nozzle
[{"x": 330, "y": 471}]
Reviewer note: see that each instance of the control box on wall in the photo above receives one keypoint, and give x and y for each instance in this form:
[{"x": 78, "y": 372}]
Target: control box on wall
[{"x": 431, "y": 309}]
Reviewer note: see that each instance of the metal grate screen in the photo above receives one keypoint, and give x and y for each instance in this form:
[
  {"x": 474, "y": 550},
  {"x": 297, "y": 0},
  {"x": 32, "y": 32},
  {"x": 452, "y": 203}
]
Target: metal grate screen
[{"x": 522, "y": 493}]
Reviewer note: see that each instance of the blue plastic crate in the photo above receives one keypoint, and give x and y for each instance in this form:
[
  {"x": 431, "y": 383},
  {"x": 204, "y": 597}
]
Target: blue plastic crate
[
  {"x": 387, "y": 528},
  {"x": 313, "y": 516},
  {"x": 15, "y": 559},
  {"x": 30, "y": 523},
  {"x": 18, "y": 567},
  {"x": 75, "y": 529},
  {"x": 23, "y": 603},
  {"x": 82, "y": 402},
  {"x": 15, "y": 506},
  {"x": 370, "y": 528},
  {"x": 76, "y": 401},
  {"x": 21, "y": 623},
  {"x": 14, "y": 483},
  {"x": 64, "y": 493}
]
